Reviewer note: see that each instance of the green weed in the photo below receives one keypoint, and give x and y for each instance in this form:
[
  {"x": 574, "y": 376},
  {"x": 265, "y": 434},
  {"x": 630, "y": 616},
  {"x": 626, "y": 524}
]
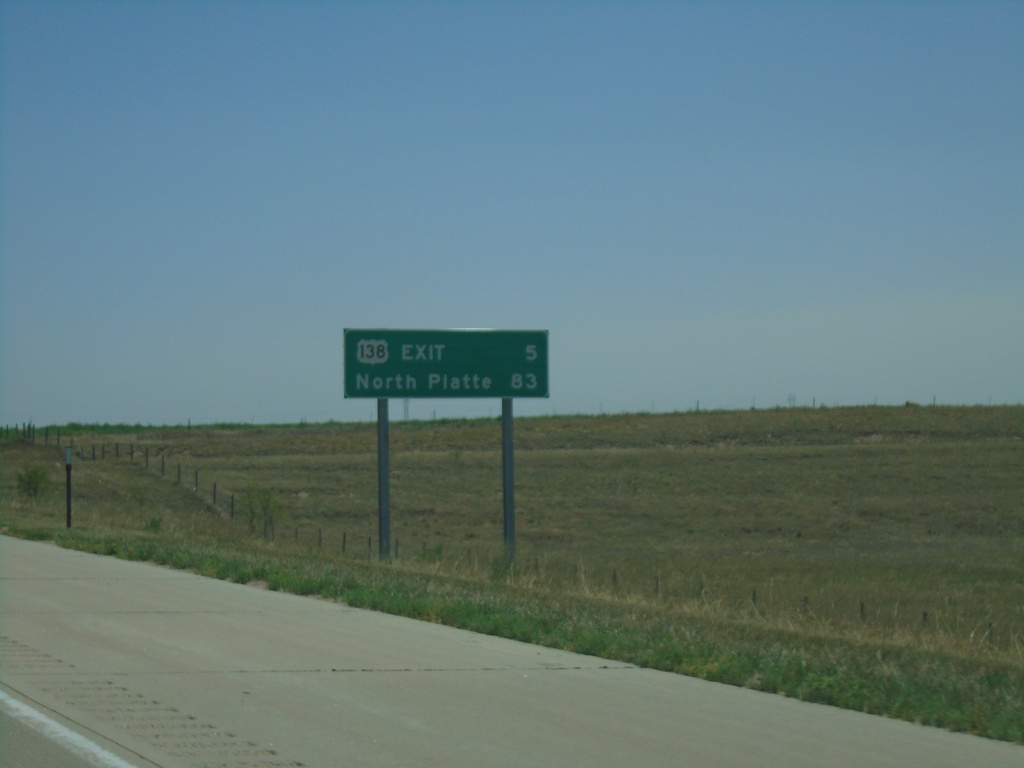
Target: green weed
[{"x": 32, "y": 480}]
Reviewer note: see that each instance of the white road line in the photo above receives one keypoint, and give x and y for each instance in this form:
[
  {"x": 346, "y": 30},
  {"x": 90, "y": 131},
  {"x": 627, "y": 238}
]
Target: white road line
[{"x": 70, "y": 740}]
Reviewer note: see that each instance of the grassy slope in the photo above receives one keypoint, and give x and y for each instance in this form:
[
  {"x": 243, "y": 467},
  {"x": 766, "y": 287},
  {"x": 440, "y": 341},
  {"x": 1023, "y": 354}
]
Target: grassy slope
[{"x": 869, "y": 558}]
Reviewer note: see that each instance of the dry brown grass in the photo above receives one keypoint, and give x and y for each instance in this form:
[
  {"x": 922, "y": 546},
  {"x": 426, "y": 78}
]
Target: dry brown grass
[
  {"x": 903, "y": 524},
  {"x": 871, "y": 558}
]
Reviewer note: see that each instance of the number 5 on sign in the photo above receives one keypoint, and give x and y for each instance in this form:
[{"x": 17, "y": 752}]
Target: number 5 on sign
[{"x": 531, "y": 352}]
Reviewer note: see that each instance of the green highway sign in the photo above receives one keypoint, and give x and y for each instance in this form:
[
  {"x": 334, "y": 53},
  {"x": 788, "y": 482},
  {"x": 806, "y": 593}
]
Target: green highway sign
[{"x": 385, "y": 362}]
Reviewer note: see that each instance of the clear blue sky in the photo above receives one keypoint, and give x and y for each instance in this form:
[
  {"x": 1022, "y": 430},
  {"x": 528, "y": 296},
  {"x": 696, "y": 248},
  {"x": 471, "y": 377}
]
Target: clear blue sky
[{"x": 729, "y": 203}]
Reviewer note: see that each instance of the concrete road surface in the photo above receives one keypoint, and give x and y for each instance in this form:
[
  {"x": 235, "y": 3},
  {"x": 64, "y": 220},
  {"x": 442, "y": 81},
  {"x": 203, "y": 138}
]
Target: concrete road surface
[{"x": 160, "y": 668}]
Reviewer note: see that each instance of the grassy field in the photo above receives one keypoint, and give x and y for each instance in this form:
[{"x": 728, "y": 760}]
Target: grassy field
[{"x": 871, "y": 558}]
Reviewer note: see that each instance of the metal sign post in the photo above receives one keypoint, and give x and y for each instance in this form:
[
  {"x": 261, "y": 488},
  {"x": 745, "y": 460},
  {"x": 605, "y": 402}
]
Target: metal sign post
[
  {"x": 508, "y": 479},
  {"x": 383, "y": 481},
  {"x": 67, "y": 464}
]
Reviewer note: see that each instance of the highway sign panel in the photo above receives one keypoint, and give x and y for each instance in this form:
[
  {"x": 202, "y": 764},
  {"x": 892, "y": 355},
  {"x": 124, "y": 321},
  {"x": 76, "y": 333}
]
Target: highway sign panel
[{"x": 388, "y": 362}]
